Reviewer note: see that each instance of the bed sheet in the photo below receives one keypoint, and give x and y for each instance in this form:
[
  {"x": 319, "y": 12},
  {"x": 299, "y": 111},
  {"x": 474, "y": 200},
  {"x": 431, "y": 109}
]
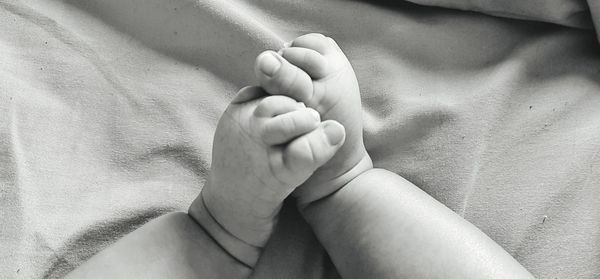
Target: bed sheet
[{"x": 108, "y": 109}]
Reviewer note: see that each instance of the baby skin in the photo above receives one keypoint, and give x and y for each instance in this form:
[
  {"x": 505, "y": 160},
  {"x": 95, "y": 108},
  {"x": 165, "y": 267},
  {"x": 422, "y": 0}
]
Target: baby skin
[
  {"x": 302, "y": 135},
  {"x": 273, "y": 142},
  {"x": 313, "y": 69},
  {"x": 264, "y": 147}
]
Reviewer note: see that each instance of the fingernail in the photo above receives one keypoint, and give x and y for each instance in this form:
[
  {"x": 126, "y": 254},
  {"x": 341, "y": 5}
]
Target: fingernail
[
  {"x": 269, "y": 64},
  {"x": 334, "y": 133},
  {"x": 316, "y": 115}
]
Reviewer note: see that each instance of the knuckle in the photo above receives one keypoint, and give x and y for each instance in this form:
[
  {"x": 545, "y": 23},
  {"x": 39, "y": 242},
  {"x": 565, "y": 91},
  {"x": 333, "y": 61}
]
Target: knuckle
[
  {"x": 266, "y": 102},
  {"x": 265, "y": 132},
  {"x": 301, "y": 152},
  {"x": 317, "y": 63},
  {"x": 259, "y": 111},
  {"x": 289, "y": 125},
  {"x": 308, "y": 118},
  {"x": 314, "y": 116},
  {"x": 294, "y": 83},
  {"x": 307, "y": 58},
  {"x": 263, "y": 107},
  {"x": 308, "y": 37}
]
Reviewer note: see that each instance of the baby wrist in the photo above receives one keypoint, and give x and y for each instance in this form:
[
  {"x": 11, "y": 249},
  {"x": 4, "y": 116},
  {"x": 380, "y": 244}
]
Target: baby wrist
[
  {"x": 308, "y": 195},
  {"x": 237, "y": 248}
]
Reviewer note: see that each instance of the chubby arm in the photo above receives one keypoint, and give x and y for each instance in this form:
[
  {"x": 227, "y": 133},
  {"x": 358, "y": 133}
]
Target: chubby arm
[
  {"x": 170, "y": 246},
  {"x": 382, "y": 226}
]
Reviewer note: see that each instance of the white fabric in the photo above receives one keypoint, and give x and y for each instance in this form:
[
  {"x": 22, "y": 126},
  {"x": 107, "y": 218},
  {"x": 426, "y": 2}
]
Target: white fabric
[{"x": 108, "y": 109}]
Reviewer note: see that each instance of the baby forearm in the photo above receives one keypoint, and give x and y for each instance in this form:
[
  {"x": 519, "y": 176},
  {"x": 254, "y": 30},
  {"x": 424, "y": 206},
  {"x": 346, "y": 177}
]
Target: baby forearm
[{"x": 382, "y": 226}]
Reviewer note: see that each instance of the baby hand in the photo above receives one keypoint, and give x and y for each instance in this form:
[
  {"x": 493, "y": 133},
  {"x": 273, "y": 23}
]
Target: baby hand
[
  {"x": 314, "y": 70},
  {"x": 264, "y": 147}
]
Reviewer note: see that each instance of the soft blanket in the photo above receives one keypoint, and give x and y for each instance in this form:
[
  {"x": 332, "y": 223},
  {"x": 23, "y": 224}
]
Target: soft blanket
[{"x": 108, "y": 108}]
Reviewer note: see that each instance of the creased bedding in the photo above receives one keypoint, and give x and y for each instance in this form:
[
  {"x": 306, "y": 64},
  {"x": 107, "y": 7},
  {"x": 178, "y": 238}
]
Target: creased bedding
[
  {"x": 575, "y": 13},
  {"x": 108, "y": 109}
]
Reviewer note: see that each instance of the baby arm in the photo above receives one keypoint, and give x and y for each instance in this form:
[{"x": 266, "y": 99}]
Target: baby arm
[
  {"x": 380, "y": 225},
  {"x": 373, "y": 223}
]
